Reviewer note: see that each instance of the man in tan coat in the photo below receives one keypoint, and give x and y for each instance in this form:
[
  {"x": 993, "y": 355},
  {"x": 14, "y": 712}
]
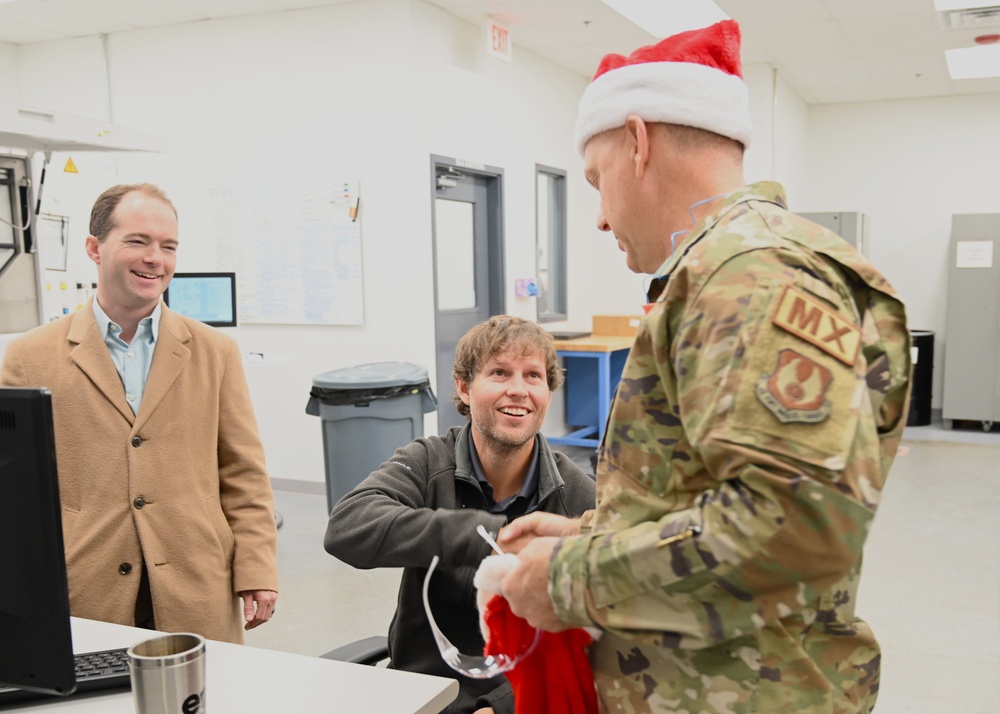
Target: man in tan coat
[{"x": 167, "y": 506}]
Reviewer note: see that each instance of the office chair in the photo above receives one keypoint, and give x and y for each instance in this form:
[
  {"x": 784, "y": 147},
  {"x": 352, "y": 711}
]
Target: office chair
[{"x": 370, "y": 650}]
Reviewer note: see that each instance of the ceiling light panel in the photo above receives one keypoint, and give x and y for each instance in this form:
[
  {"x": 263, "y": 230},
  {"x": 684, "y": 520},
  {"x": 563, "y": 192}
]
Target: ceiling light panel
[
  {"x": 974, "y": 62},
  {"x": 662, "y": 19},
  {"x": 947, "y": 5}
]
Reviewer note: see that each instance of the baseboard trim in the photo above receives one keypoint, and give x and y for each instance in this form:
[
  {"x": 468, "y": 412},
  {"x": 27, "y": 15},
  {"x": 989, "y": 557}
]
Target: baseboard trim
[{"x": 313, "y": 488}]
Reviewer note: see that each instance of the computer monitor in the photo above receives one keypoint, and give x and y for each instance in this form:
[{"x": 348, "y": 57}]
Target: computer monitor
[
  {"x": 36, "y": 645},
  {"x": 207, "y": 297}
]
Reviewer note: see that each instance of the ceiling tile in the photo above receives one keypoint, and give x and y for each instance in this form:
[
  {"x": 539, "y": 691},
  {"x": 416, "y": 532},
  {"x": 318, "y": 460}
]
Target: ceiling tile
[
  {"x": 906, "y": 67},
  {"x": 821, "y": 47},
  {"x": 874, "y": 8},
  {"x": 580, "y": 26},
  {"x": 621, "y": 47},
  {"x": 886, "y": 34},
  {"x": 585, "y": 6},
  {"x": 577, "y": 59},
  {"x": 917, "y": 88},
  {"x": 806, "y": 41},
  {"x": 137, "y": 13},
  {"x": 806, "y": 96},
  {"x": 18, "y": 33},
  {"x": 751, "y": 51},
  {"x": 495, "y": 10},
  {"x": 531, "y": 37},
  {"x": 977, "y": 86},
  {"x": 229, "y": 8},
  {"x": 830, "y": 73},
  {"x": 451, "y": 5},
  {"x": 761, "y": 13},
  {"x": 848, "y": 93},
  {"x": 300, "y": 4},
  {"x": 65, "y": 20}
]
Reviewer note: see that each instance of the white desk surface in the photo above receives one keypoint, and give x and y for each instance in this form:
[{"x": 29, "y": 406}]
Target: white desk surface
[{"x": 248, "y": 680}]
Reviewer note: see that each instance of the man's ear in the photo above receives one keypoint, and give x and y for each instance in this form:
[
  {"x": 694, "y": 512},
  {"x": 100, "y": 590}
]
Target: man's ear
[
  {"x": 462, "y": 388},
  {"x": 637, "y": 138},
  {"x": 92, "y": 245}
]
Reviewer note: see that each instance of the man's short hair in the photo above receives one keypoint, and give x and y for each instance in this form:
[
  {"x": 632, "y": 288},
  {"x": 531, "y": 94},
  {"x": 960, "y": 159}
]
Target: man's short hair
[
  {"x": 102, "y": 220},
  {"x": 690, "y": 138},
  {"x": 499, "y": 335}
]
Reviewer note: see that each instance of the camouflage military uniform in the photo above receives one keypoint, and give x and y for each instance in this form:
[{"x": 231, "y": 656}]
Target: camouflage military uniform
[{"x": 746, "y": 450}]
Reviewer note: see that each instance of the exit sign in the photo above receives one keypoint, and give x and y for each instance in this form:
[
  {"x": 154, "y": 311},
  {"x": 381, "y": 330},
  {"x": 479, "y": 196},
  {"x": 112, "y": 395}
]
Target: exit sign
[{"x": 498, "y": 42}]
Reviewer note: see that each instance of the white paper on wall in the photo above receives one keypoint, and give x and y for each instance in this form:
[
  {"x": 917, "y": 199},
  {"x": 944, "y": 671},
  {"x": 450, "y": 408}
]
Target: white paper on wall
[
  {"x": 53, "y": 234},
  {"x": 974, "y": 254}
]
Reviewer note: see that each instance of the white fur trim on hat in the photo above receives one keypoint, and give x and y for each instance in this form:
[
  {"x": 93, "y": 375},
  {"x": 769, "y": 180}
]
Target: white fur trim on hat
[
  {"x": 487, "y": 581},
  {"x": 683, "y": 93}
]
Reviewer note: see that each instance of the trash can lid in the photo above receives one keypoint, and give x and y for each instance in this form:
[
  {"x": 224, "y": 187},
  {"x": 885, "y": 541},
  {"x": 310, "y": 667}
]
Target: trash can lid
[{"x": 373, "y": 375}]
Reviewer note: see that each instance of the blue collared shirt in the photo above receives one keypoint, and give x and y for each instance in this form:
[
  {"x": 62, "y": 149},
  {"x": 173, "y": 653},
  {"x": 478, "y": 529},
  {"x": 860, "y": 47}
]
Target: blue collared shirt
[
  {"x": 131, "y": 360},
  {"x": 521, "y": 502}
]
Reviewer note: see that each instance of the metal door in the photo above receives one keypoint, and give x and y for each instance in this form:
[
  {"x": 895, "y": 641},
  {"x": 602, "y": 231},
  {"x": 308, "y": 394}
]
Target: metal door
[{"x": 468, "y": 263}]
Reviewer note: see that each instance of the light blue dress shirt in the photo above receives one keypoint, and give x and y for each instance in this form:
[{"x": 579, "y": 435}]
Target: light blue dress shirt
[{"x": 131, "y": 360}]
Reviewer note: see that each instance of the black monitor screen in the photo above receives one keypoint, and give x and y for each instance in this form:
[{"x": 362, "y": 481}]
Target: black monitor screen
[
  {"x": 207, "y": 297},
  {"x": 36, "y": 646}
]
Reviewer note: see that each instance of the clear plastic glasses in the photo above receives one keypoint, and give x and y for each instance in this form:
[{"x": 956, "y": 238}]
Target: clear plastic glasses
[{"x": 474, "y": 666}]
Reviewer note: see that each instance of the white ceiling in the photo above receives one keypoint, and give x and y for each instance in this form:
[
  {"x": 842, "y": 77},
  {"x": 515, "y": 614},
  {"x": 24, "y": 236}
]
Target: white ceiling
[{"x": 829, "y": 51}]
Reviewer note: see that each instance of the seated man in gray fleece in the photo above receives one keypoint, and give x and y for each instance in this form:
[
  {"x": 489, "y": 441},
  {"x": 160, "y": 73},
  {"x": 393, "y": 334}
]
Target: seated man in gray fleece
[{"x": 429, "y": 497}]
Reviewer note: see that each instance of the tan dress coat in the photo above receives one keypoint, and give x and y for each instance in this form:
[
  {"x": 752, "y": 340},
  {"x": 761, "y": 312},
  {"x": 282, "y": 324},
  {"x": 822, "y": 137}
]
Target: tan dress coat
[{"x": 181, "y": 486}]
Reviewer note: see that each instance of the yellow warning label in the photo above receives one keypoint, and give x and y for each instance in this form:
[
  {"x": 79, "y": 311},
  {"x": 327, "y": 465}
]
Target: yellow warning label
[{"x": 70, "y": 167}]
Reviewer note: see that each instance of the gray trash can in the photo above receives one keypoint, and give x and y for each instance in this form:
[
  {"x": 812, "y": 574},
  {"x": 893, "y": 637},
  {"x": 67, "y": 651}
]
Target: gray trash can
[{"x": 368, "y": 412}]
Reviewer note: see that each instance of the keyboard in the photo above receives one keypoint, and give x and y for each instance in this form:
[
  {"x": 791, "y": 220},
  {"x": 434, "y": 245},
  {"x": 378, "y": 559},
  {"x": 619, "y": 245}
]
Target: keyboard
[{"x": 95, "y": 671}]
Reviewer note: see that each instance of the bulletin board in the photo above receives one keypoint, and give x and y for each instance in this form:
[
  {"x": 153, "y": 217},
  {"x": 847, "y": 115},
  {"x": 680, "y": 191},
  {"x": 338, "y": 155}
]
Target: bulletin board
[{"x": 295, "y": 249}]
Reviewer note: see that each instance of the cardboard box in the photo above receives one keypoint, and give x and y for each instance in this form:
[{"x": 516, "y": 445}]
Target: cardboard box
[{"x": 616, "y": 325}]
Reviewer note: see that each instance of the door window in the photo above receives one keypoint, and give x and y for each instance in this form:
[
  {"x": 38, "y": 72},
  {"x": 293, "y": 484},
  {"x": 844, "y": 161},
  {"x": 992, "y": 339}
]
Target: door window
[
  {"x": 550, "y": 242},
  {"x": 455, "y": 254}
]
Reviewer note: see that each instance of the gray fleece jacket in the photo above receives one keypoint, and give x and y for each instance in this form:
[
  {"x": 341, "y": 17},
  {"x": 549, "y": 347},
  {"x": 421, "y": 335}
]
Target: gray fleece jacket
[{"x": 426, "y": 501}]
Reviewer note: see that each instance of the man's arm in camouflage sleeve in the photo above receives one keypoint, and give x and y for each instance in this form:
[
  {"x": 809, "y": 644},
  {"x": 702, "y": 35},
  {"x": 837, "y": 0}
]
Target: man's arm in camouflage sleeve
[{"x": 788, "y": 505}]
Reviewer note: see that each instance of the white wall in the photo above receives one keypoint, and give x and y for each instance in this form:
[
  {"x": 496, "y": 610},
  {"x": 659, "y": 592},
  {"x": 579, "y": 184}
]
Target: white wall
[
  {"x": 8, "y": 73},
  {"x": 370, "y": 90},
  {"x": 910, "y": 165},
  {"x": 776, "y": 151},
  {"x": 65, "y": 75},
  {"x": 364, "y": 90}
]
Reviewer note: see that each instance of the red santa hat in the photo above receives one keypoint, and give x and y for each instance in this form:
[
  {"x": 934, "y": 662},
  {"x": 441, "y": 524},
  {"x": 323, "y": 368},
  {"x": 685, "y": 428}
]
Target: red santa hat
[
  {"x": 554, "y": 676},
  {"x": 693, "y": 79}
]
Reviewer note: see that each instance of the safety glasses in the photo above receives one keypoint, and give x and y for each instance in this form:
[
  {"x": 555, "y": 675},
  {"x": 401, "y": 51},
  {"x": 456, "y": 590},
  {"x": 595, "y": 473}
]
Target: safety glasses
[{"x": 474, "y": 666}]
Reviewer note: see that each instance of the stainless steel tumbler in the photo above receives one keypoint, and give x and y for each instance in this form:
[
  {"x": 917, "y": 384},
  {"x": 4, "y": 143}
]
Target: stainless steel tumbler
[{"x": 168, "y": 674}]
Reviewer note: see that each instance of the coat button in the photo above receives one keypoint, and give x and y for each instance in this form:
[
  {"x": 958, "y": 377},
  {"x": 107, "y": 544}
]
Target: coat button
[
  {"x": 136, "y": 441},
  {"x": 125, "y": 568},
  {"x": 139, "y": 502}
]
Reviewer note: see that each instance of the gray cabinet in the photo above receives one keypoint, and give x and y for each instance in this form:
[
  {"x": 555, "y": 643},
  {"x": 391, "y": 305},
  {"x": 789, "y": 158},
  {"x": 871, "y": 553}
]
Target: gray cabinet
[
  {"x": 849, "y": 225},
  {"x": 972, "y": 328}
]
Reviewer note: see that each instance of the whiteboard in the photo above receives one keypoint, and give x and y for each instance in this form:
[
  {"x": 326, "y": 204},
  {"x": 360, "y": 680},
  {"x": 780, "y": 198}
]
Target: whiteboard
[{"x": 295, "y": 249}]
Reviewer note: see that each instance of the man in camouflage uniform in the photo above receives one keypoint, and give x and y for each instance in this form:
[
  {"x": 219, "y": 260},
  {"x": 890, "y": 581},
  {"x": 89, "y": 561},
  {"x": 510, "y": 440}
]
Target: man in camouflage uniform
[{"x": 757, "y": 416}]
